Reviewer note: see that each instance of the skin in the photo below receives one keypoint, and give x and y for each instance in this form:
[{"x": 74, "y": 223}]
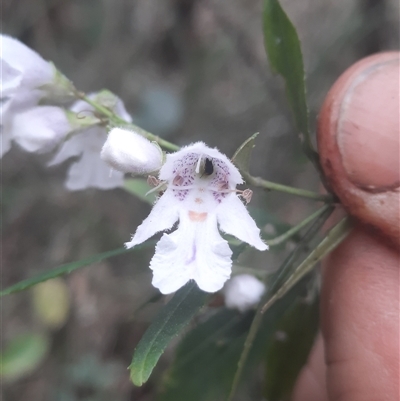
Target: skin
[{"x": 356, "y": 356}]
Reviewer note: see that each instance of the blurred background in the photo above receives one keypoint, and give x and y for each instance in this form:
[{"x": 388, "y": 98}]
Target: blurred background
[{"x": 187, "y": 70}]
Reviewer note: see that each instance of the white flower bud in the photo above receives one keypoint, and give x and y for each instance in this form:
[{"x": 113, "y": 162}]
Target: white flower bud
[
  {"x": 130, "y": 152},
  {"x": 89, "y": 170},
  {"x": 40, "y": 128},
  {"x": 243, "y": 292}
]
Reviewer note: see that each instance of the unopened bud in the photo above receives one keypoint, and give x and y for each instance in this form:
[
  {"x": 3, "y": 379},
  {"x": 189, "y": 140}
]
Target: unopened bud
[
  {"x": 130, "y": 152},
  {"x": 243, "y": 292}
]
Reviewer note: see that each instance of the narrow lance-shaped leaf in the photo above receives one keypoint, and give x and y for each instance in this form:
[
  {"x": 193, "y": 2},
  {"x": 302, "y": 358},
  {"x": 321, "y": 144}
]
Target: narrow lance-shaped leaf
[
  {"x": 61, "y": 270},
  {"x": 283, "y": 48},
  {"x": 168, "y": 324},
  {"x": 284, "y": 52}
]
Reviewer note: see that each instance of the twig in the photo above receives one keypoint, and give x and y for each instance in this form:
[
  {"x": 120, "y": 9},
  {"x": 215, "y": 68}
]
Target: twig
[
  {"x": 285, "y": 236},
  {"x": 260, "y": 182}
]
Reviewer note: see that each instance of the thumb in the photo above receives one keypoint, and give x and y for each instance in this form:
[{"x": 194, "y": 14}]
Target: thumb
[{"x": 358, "y": 140}]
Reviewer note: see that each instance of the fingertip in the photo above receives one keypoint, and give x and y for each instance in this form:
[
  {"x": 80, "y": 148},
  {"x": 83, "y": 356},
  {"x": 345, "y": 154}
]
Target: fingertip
[{"x": 358, "y": 141}]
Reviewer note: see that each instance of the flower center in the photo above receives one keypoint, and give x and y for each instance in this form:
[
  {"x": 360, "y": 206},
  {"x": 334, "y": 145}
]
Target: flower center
[{"x": 200, "y": 172}]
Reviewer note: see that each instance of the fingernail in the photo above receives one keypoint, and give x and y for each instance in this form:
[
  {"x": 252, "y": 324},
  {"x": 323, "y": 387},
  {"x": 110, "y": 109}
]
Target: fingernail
[{"x": 368, "y": 127}]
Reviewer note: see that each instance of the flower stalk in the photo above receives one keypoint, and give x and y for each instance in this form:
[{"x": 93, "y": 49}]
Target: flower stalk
[{"x": 115, "y": 120}]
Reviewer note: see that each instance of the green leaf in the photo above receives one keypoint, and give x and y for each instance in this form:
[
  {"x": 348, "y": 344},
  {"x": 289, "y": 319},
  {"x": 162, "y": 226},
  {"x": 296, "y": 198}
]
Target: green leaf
[
  {"x": 63, "y": 269},
  {"x": 168, "y": 324},
  {"x": 284, "y": 52},
  {"x": 207, "y": 358},
  {"x": 283, "y": 48},
  {"x": 288, "y": 350},
  {"x": 241, "y": 158},
  {"x": 139, "y": 187},
  {"x": 23, "y": 355}
]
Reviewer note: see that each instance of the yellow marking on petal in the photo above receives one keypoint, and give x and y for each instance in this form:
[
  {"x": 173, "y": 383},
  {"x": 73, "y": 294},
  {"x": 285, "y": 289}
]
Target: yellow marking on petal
[
  {"x": 194, "y": 216},
  {"x": 198, "y": 200}
]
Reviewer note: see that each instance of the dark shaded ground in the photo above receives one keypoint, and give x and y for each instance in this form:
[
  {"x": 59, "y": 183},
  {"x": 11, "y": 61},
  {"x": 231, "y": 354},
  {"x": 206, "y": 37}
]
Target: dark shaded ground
[{"x": 187, "y": 70}]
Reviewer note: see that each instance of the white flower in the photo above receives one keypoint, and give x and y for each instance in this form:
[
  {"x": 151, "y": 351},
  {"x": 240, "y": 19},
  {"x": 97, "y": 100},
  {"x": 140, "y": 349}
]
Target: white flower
[
  {"x": 201, "y": 194},
  {"x": 130, "y": 152},
  {"x": 23, "y": 68},
  {"x": 243, "y": 292},
  {"x": 90, "y": 170},
  {"x": 40, "y": 129},
  {"x": 9, "y": 110},
  {"x": 26, "y": 79},
  {"x": 10, "y": 77}
]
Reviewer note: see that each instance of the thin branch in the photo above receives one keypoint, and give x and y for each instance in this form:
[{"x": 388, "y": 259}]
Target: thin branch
[
  {"x": 255, "y": 325},
  {"x": 294, "y": 230},
  {"x": 260, "y": 182},
  {"x": 119, "y": 121},
  {"x": 335, "y": 236}
]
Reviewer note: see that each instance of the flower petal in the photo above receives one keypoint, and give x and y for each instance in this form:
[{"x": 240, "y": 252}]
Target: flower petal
[
  {"x": 36, "y": 71},
  {"x": 40, "y": 128},
  {"x": 162, "y": 217},
  {"x": 10, "y": 79},
  {"x": 194, "y": 251},
  {"x": 234, "y": 219},
  {"x": 70, "y": 148},
  {"x": 89, "y": 140},
  {"x": 91, "y": 172}
]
